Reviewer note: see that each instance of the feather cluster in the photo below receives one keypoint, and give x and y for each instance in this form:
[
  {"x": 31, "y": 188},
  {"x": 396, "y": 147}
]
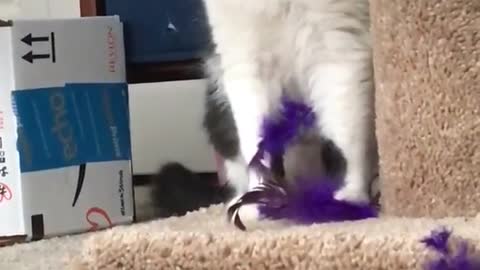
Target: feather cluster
[
  {"x": 438, "y": 242},
  {"x": 310, "y": 200}
]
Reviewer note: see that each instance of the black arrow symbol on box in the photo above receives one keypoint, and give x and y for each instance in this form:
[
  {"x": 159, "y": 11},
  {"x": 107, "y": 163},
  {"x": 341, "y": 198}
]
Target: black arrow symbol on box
[
  {"x": 29, "y": 39},
  {"x": 30, "y": 57}
]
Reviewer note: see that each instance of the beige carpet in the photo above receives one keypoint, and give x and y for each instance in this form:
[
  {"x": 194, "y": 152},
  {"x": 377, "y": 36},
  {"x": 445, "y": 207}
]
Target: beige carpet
[
  {"x": 427, "y": 55},
  {"x": 203, "y": 240},
  {"x": 47, "y": 254}
]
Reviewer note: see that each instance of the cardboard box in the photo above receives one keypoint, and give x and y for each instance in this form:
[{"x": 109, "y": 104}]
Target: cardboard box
[{"x": 65, "y": 151}]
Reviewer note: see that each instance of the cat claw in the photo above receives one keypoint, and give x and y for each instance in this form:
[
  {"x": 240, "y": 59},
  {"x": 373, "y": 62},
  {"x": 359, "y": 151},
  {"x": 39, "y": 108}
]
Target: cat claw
[{"x": 240, "y": 214}]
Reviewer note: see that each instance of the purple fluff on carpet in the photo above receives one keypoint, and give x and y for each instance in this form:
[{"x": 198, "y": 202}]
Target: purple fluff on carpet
[
  {"x": 461, "y": 260},
  {"x": 438, "y": 240},
  {"x": 313, "y": 202}
]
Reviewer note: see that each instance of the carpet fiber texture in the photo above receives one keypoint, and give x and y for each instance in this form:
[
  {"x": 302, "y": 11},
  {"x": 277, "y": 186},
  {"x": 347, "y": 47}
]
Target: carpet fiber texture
[
  {"x": 203, "y": 240},
  {"x": 427, "y": 69},
  {"x": 49, "y": 254}
]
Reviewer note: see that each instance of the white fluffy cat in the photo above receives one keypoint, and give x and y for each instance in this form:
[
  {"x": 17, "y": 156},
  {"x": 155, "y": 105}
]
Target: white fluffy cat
[{"x": 318, "y": 50}]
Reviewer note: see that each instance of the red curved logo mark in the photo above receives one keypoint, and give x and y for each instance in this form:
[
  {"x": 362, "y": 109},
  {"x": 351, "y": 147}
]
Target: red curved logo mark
[
  {"x": 95, "y": 211},
  {"x": 5, "y": 193}
]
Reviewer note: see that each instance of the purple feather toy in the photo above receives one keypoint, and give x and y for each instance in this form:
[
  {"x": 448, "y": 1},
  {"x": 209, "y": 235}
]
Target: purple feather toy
[
  {"x": 310, "y": 200},
  {"x": 313, "y": 202}
]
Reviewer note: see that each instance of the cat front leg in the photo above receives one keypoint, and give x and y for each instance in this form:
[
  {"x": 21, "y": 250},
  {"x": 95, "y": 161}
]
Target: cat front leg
[
  {"x": 251, "y": 98},
  {"x": 343, "y": 99}
]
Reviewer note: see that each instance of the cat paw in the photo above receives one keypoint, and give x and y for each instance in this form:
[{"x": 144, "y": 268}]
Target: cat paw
[{"x": 352, "y": 195}]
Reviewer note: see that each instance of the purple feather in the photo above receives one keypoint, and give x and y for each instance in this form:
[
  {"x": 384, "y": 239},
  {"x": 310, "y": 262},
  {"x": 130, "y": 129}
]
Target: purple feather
[
  {"x": 438, "y": 241},
  {"x": 462, "y": 260},
  {"x": 280, "y": 131},
  {"x": 313, "y": 202}
]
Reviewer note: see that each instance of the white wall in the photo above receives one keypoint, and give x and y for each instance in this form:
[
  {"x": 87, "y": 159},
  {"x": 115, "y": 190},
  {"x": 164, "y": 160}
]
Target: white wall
[
  {"x": 167, "y": 125},
  {"x": 166, "y": 117}
]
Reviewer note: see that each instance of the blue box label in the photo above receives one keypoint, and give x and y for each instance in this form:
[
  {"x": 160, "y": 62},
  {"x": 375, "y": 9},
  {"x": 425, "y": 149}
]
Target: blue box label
[{"x": 72, "y": 125}]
